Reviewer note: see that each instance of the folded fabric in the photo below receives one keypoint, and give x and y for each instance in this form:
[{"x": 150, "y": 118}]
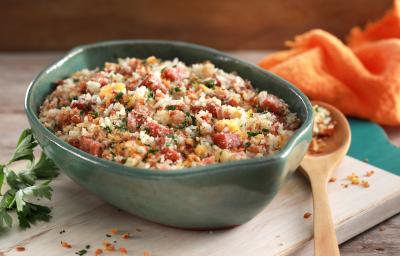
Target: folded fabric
[{"x": 362, "y": 78}]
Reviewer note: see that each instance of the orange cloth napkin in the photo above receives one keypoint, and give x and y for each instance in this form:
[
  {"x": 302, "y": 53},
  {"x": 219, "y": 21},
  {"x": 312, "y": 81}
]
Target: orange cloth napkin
[{"x": 362, "y": 78}]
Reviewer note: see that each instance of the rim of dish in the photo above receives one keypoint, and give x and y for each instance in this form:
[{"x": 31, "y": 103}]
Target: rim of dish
[{"x": 117, "y": 167}]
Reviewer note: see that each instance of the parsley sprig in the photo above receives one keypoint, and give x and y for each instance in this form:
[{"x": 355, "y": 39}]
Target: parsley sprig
[{"x": 26, "y": 185}]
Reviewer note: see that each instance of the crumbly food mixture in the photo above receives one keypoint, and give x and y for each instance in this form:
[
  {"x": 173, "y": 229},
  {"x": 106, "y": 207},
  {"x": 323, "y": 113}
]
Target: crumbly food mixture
[
  {"x": 166, "y": 114},
  {"x": 324, "y": 127}
]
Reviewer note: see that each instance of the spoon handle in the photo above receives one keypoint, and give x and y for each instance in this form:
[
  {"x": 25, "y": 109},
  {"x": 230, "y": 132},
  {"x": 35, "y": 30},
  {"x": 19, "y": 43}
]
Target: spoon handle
[{"x": 325, "y": 242}]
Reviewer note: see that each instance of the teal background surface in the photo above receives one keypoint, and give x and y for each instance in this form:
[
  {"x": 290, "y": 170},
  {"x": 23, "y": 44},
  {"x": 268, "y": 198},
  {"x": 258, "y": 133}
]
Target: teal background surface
[{"x": 369, "y": 141}]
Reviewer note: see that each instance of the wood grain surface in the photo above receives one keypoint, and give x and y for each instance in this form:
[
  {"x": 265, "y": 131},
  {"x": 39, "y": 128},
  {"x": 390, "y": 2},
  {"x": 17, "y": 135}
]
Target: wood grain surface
[
  {"x": 18, "y": 69},
  {"x": 223, "y": 24}
]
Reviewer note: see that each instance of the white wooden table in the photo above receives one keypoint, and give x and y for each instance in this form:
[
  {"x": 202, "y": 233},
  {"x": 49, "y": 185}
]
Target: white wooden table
[{"x": 16, "y": 71}]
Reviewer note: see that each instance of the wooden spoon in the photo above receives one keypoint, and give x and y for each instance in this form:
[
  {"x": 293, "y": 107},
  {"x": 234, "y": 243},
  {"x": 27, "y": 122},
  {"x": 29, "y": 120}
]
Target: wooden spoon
[{"x": 318, "y": 168}]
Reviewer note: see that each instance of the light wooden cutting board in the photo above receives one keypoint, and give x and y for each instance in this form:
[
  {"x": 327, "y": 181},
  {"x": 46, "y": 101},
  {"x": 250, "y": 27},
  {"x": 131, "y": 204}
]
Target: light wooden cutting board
[{"x": 279, "y": 230}]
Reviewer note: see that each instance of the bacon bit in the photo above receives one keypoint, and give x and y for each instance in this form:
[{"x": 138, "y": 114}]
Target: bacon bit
[
  {"x": 365, "y": 184},
  {"x": 126, "y": 235},
  {"x": 369, "y": 173},
  {"x": 171, "y": 154},
  {"x": 307, "y": 215},
  {"x": 274, "y": 104},
  {"x": 91, "y": 146},
  {"x": 98, "y": 252},
  {"x": 20, "y": 248},
  {"x": 146, "y": 254},
  {"x": 65, "y": 244},
  {"x": 332, "y": 179},
  {"x": 123, "y": 250},
  {"x": 114, "y": 231}
]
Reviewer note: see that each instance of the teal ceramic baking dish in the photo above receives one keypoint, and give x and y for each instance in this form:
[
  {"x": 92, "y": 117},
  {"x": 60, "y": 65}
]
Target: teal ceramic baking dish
[{"x": 208, "y": 197}]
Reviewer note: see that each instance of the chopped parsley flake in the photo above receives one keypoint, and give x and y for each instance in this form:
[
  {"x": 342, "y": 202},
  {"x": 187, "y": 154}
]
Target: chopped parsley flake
[
  {"x": 119, "y": 96},
  {"x": 171, "y": 107}
]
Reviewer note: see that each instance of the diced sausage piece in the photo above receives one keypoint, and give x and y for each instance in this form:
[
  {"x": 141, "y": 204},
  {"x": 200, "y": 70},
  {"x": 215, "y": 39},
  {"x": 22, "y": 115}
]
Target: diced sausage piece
[
  {"x": 135, "y": 64},
  {"x": 76, "y": 119},
  {"x": 177, "y": 116},
  {"x": 156, "y": 130},
  {"x": 154, "y": 83},
  {"x": 91, "y": 146},
  {"x": 274, "y": 104},
  {"x": 171, "y": 154},
  {"x": 213, "y": 109},
  {"x": 170, "y": 74},
  {"x": 227, "y": 140},
  {"x": 208, "y": 160},
  {"x": 79, "y": 105}
]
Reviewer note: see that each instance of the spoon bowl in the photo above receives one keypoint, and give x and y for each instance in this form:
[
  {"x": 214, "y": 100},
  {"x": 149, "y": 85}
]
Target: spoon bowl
[{"x": 318, "y": 167}]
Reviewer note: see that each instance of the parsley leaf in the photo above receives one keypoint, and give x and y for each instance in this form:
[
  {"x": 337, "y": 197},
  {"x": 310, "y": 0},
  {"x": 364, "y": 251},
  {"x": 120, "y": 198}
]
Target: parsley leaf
[
  {"x": 171, "y": 107},
  {"x": 252, "y": 134},
  {"x": 22, "y": 185},
  {"x": 24, "y": 150},
  {"x": 119, "y": 96}
]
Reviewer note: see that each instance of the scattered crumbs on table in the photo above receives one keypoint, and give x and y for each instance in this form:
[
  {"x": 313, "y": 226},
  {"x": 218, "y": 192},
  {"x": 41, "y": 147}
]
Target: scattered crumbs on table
[
  {"x": 20, "y": 248},
  {"x": 62, "y": 231},
  {"x": 114, "y": 231},
  {"x": 123, "y": 250},
  {"x": 98, "y": 252},
  {"x": 87, "y": 247},
  {"x": 65, "y": 244},
  {"x": 125, "y": 235},
  {"x": 369, "y": 173},
  {"x": 114, "y": 241},
  {"x": 332, "y": 179},
  {"x": 108, "y": 235},
  {"x": 139, "y": 230},
  {"x": 381, "y": 229},
  {"x": 307, "y": 215},
  {"x": 379, "y": 249},
  {"x": 345, "y": 185}
]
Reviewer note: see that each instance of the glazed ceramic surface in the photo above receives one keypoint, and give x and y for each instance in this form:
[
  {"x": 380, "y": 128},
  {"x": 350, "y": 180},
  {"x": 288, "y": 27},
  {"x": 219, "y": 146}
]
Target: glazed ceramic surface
[{"x": 208, "y": 197}]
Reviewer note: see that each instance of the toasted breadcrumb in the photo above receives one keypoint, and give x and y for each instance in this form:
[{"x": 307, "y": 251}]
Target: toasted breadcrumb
[
  {"x": 365, "y": 184},
  {"x": 369, "y": 173},
  {"x": 125, "y": 235},
  {"x": 98, "y": 252},
  {"x": 108, "y": 246},
  {"x": 123, "y": 250},
  {"x": 307, "y": 215},
  {"x": 114, "y": 231},
  {"x": 65, "y": 244},
  {"x": 332, "y": 179},
  {"x": 20, "y": 248}
]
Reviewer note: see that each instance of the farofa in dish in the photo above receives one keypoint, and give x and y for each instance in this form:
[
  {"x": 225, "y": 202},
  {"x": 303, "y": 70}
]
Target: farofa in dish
[{"x": 166, "y": 115}]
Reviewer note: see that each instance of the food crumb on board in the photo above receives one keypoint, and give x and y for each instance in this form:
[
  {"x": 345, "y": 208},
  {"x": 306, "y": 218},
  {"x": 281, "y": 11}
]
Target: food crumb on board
[
  {"x": 123, "y": 250},
  {"x": 139, "y": 230},
  {"x": 65, "y": 244},
  {"x": 354, "y": 179},
  {"x": 98, "y": 252},
  {"x": 344, "y": 185},
  {"x": 307, "y": 215},
  {"x": 369, "y": 173},
  {"x": 20, "y": 248},
  {"x": 108, "y": 246},
  {"x": 126, "y": 235},
  {"x": 365, "y": 183},
  {"x": 114, "y": 231},
  {"x": 62, "y": 231},
  {"x": 332, "y": 179},
  {"x": 108, "y": 235}
]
